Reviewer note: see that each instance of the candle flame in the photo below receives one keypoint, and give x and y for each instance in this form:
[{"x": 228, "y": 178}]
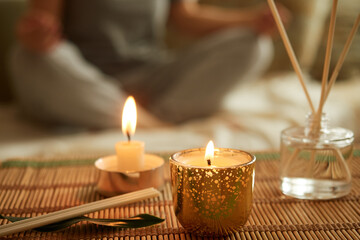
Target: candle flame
[
  {"x": 129, "y": 117},
  {"x": 209, "y": 153}
]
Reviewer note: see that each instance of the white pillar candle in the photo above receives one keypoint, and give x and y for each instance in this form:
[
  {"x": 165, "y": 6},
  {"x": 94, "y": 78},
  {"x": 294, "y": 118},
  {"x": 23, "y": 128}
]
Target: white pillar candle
[{"x": 130, "y": 154}]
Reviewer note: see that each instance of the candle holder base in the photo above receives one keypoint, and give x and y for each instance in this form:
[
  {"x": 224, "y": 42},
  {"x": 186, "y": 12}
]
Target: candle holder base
[{"x": 113, "y": 181}]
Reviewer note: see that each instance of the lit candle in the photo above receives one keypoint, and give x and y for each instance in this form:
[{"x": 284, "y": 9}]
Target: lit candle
[
  {"x": 130, "y": 154},
  {"x": 209, "y": 153},
  {"x": 212, "y": 189},
  {"x": 213, "y": 158}
]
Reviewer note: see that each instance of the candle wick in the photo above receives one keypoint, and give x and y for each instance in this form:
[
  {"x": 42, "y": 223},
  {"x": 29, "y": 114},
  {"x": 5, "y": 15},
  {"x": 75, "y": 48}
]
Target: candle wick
[
  {"x": 128, "y": 136},
  {"x": 209, "y": 162}
]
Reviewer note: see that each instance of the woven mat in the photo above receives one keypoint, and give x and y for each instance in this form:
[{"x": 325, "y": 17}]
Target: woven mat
[{"x": 34, "y": 187}]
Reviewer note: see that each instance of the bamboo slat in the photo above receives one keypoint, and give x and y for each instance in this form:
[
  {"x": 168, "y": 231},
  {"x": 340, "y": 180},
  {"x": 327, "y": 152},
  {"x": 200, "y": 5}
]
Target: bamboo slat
[{"x": 31, "y": 187}]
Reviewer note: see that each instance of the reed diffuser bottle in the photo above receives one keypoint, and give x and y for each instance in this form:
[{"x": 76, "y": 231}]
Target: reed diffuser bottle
[{"x": 315, "y": 160}]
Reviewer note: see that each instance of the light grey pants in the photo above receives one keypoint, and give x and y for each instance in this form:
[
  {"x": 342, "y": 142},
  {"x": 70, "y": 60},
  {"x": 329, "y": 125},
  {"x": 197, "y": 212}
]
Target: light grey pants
[{"x": 61, "y": 87}]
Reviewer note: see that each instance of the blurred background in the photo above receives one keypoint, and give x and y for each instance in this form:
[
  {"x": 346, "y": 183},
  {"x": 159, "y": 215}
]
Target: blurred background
[{"x": 279, "y": 101}]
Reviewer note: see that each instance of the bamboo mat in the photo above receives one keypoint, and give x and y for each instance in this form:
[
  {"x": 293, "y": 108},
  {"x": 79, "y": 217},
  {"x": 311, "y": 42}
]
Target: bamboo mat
[{"x": 36, "y": 186}]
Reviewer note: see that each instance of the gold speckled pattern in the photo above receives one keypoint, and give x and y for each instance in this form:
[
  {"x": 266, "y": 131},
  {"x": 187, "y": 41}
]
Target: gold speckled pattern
[{"x": 212, "y": 201}]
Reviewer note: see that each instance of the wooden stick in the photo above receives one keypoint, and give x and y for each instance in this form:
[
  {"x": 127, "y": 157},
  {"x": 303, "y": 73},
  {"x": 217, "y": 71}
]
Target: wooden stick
[
  {"x": 342, "y": 57},
  {"x": 311, "y": 165},
  {"x": 290, "y": 50},
  {"x": 344, "y": 163},
  {"x": 78, "y": 211},
  {"x": 290, "y": 160},
  {"x": 329, "y": 46}
]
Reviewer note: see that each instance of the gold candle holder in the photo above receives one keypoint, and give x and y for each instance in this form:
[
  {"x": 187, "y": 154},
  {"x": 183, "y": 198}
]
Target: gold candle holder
[
  {"x": 212, "y": 200},
  {"x": 113, "y": 181}
]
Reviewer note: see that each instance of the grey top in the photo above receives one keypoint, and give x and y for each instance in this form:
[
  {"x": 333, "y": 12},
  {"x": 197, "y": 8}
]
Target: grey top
[{"x": 117, "y": 35}]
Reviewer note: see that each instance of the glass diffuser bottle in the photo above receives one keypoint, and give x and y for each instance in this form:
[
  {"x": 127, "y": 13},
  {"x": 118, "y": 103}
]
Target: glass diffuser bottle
[{"x": 315, "y": 160}]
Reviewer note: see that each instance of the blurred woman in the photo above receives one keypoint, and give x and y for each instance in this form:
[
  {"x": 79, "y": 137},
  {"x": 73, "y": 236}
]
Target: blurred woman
[{"x": 78, "y": 60}]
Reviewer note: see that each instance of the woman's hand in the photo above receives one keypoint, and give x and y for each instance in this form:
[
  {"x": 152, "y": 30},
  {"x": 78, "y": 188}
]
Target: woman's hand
[
  {"x": 38, "y": 31},
  {"x": 201, "y": 19},
  {"x": 264, "y": 22}
]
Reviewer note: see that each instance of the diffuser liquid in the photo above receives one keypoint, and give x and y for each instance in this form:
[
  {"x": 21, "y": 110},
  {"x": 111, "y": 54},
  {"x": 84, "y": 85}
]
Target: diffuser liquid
[
  {"x": 313, "y": 173},
  {"x": 305, "y": 188}
]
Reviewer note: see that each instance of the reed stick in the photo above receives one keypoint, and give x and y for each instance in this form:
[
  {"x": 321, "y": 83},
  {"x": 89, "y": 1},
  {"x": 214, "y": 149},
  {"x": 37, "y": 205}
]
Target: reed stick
[
  {"x": 343, "y": 54},
  {"x": 78, "y": 211},
  {"x": 329, "y": 47},
  {"x": 340, "y": 157},
  {"x": 311, "y": 164},
  {"x": 294, "y": 154},
  {"x": 290, "y": 51}
]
